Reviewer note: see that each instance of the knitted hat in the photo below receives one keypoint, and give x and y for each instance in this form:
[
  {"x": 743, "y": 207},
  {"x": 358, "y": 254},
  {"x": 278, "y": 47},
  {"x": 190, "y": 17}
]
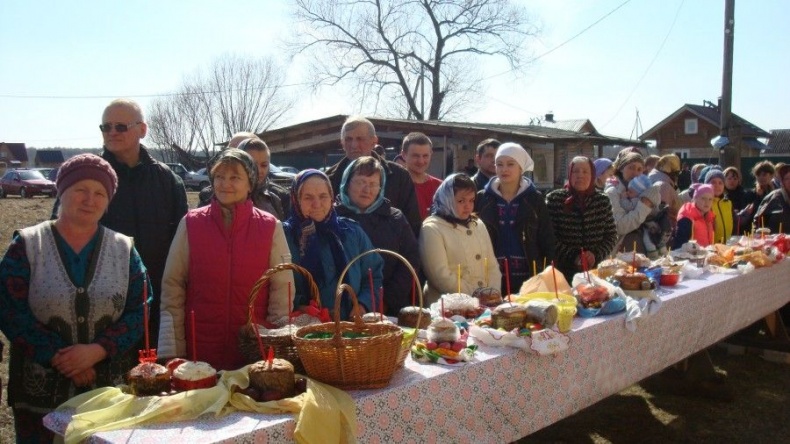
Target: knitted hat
[
  {"x": 639, "y": 184},
  {"x": 518, "y": 153},
  {"x": 240, "y": 157},
  {"x": 86, "y": 166},
  {"x": 625, "y": 159},
  {"x": 601, "y": 165},
  {"x": 713, "y": 173},
  {"x": 669, "y": 163},
  {"x": 702, "y": 190}
]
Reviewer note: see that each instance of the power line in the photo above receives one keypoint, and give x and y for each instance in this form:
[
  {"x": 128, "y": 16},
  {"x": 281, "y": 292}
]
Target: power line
[
  {"x": 644, "y": 74},
  {"x": 138, "y": 96},
  {"x": 566, "y": 41}
]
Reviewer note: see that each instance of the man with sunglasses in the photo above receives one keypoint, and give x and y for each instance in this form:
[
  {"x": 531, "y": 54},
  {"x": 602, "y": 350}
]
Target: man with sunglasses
[{"x": 150, "y": 199}]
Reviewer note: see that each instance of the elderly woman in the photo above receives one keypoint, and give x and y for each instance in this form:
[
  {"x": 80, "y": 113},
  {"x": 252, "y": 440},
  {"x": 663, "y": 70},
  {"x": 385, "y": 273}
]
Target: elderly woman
[
  {"x": 628, "y": 219},
  {"x": 71, "y": 300},
  {"x": 774, "y": 212},
  {"x": 218, "y": 253},
  {"x": 324, "y": 244},
  {"x": 452, "y": 237},
  {"x": 361, "y": 198},
  {"x": 695, "y": 219},
  {"x": 515, "y": 214},
  {"x": 582, "y": 220}
]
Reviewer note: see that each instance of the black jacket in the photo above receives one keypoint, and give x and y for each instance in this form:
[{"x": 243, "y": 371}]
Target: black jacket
[
  {"x": 399, "y": 189},
  {"x": 388, "y": 229},
  {"x": 269, "y": 197},
  {"x": 148, "y": 205},
  {"x": 533, "y": 221},
  {"x": 480, "y": 180}
]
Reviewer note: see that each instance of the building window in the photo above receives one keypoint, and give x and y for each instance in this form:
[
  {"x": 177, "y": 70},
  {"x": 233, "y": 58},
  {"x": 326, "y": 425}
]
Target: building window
[
  {"x": 691, "y": 126},
  {"x": 683, "y": 154}
]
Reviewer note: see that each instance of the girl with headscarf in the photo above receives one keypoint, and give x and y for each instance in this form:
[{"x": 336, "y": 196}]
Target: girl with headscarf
[
  {"x": 582, "y": 220},
  {"x": 628, "y": 221},
  {"x": 324, "y": 244},
  {"x": 454, "y": 244},
  {"x": 515, "y": 214},
  {"x": 361, "y": 198},
  {"x": 218, "y": 253}
]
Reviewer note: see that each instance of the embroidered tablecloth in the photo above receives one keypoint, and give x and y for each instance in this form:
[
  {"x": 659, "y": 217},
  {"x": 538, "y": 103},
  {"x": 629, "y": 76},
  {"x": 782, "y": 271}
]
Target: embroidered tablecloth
[{"x": 507, "y": 393}]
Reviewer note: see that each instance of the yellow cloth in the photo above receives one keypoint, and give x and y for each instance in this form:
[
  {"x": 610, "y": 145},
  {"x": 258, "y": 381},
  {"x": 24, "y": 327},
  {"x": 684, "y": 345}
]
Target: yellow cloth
[{"x": 324, "y": 413}]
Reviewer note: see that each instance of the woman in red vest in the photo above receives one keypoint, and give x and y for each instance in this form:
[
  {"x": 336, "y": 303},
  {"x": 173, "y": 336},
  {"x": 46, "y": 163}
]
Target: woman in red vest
[{"x": 218, "y": 253}]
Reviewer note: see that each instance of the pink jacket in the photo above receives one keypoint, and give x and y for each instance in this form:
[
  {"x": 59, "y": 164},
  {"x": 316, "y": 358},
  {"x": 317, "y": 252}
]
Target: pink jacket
[
  {"x": 702, "y": 225},
  {"x": 223, "y": 266}
]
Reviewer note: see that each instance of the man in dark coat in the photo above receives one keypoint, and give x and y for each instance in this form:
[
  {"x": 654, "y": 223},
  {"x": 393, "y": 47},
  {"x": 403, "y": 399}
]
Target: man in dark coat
[
  {"x": 150, "y": 199},
  {"x": 358, "y": 137},
  {"x": 484, "y": 158}
]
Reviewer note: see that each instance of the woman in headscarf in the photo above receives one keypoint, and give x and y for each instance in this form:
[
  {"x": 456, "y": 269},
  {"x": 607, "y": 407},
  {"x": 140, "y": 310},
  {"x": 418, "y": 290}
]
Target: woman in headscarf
[
  {"x": 71, "y": 300},
  {"x": 582, "y": 220},
  {"x": 515, "y": 214},
  {"x": 361, "y": 198},
  {"x": 628, "y": 220},
  {"x": 218, "y": 253},
  {"x": 324, "y": 243},
  {"x": 452, "y": 237}
]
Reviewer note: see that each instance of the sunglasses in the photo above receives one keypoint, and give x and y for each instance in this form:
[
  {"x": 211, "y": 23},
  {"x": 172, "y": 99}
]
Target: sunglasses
[{"x": 119, "y": 127}]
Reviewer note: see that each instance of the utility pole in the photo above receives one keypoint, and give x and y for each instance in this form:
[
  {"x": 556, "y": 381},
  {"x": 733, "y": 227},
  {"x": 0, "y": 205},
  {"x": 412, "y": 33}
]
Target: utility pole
[{"x": 730, "y": 154}]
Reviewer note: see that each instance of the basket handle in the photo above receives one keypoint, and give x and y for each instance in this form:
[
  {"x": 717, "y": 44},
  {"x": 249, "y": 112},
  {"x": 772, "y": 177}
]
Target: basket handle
[
  {"x": 264, "y": 279},
  {"x": 341, "y": 286}
]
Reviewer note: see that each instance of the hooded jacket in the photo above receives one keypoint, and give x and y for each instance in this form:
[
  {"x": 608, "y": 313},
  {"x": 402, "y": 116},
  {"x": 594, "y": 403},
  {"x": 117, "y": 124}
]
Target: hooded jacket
[{"x": 692, "y": 221}]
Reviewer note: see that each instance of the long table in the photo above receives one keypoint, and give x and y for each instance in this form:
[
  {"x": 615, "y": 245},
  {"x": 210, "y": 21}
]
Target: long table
[{"x": 507, "y": 393}]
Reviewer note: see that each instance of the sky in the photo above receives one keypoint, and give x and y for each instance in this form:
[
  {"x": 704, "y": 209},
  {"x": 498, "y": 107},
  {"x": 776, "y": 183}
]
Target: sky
[{"x": 603, "y": 60}]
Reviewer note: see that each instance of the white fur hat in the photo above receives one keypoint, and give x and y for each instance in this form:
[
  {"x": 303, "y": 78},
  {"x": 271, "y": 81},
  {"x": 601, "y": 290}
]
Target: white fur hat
[{"x": 518, "y": 153}]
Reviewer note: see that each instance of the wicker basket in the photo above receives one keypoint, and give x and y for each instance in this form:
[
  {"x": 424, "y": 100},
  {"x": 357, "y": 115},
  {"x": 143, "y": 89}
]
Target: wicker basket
[
  {"x": 283, "y": 345},
  {"x": 353, "y": 363}
]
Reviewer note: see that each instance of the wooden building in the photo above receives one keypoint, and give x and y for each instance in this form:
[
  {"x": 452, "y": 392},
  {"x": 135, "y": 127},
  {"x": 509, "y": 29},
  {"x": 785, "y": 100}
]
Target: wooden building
[
  {"x": 316, "y": 144},
  {"x": 13, "y": 155}
]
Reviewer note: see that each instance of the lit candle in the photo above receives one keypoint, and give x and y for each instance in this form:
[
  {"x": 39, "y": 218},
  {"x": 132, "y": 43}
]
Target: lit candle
[
  {"x": 145, "y": 314},
  {"x": 485, "y": 269},
  {"x": 534, "y": 268},
  {"x": 194, "y": 347},
  {"x": 413, "y": 291},
  {"x": 507, "y": 279},
  {"x": 554, "y": 275},
  {"x": 459, "y": 278},
  {"x": 372, "y": 291},
  {"x": 290, "y": 304},
  {"x": 381, "y": 305}
]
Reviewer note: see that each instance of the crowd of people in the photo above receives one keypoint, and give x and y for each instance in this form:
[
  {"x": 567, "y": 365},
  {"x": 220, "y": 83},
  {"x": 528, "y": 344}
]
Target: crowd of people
[{"x": 72, "y": 290}]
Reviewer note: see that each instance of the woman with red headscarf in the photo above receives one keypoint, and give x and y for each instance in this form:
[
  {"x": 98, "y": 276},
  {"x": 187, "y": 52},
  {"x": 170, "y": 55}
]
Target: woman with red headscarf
[{"x": 582, "y": 219}]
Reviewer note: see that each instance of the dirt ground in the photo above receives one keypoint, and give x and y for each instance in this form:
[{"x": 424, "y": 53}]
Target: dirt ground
[{"x": 643, "y": 413}]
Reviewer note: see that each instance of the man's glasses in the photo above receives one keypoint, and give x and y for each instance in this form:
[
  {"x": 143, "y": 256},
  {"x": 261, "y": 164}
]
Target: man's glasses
[{"x": 119, "y": 127}]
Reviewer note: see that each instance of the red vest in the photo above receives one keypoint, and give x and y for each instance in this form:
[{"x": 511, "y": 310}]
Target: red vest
[
  {"x": 223, "y": 266},
  {"x": 701, "y": 225}
]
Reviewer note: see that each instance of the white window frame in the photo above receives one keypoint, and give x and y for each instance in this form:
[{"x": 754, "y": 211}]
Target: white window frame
[
  {"x": 691, "y": 126},
  {"x": 683, "y": 153}
]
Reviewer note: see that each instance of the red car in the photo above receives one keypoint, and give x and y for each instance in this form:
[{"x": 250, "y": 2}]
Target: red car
[{"x": 26, "y": 183}]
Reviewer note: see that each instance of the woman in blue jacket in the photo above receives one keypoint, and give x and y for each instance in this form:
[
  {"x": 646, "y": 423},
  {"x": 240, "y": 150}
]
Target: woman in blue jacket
[{"x": 324, "y": 244}]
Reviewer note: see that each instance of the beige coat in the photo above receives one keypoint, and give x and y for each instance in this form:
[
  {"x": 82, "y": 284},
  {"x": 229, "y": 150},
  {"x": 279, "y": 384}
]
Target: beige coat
[{"x": 443, "y": 247}]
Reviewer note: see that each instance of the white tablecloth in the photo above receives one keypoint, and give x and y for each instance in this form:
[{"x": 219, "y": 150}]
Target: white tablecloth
[{"x": 507, "y": 393}]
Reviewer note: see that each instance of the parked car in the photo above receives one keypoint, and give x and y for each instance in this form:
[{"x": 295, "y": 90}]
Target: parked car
[
  {"x": 281, "y": 177},
  {"x": 180, "y": 170},
  {"x": 46, "y": 172},
  {"x": 26, "y": 183},
  {"x": 289, "y": 169},
  {"x": 197, "y": 180}
]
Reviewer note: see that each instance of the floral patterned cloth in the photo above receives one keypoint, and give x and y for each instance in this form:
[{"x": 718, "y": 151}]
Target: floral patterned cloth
[{"x": 507, "y": 393}]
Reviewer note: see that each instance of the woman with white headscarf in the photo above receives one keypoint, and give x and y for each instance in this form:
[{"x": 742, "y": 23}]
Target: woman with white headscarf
[
  {"x": 454, "y": 244},
  {"x": 515, "y": 214}
]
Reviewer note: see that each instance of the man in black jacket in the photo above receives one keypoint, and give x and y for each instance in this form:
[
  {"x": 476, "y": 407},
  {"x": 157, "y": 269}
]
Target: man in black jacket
[
  {"x": 150, "y": 200},
  {"x": 358, "y": 137},
  {"x": 484, "y": 157}
]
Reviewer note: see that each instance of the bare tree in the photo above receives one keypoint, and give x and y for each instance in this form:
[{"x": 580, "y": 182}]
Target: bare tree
[
  {"x": 236, "y": 94},
  {"x": 399, "y": 50}
]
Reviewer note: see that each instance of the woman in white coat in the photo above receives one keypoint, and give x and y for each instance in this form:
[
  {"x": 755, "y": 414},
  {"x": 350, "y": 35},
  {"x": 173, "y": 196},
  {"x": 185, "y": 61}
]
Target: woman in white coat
[{"x": 451, "y": 237}]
